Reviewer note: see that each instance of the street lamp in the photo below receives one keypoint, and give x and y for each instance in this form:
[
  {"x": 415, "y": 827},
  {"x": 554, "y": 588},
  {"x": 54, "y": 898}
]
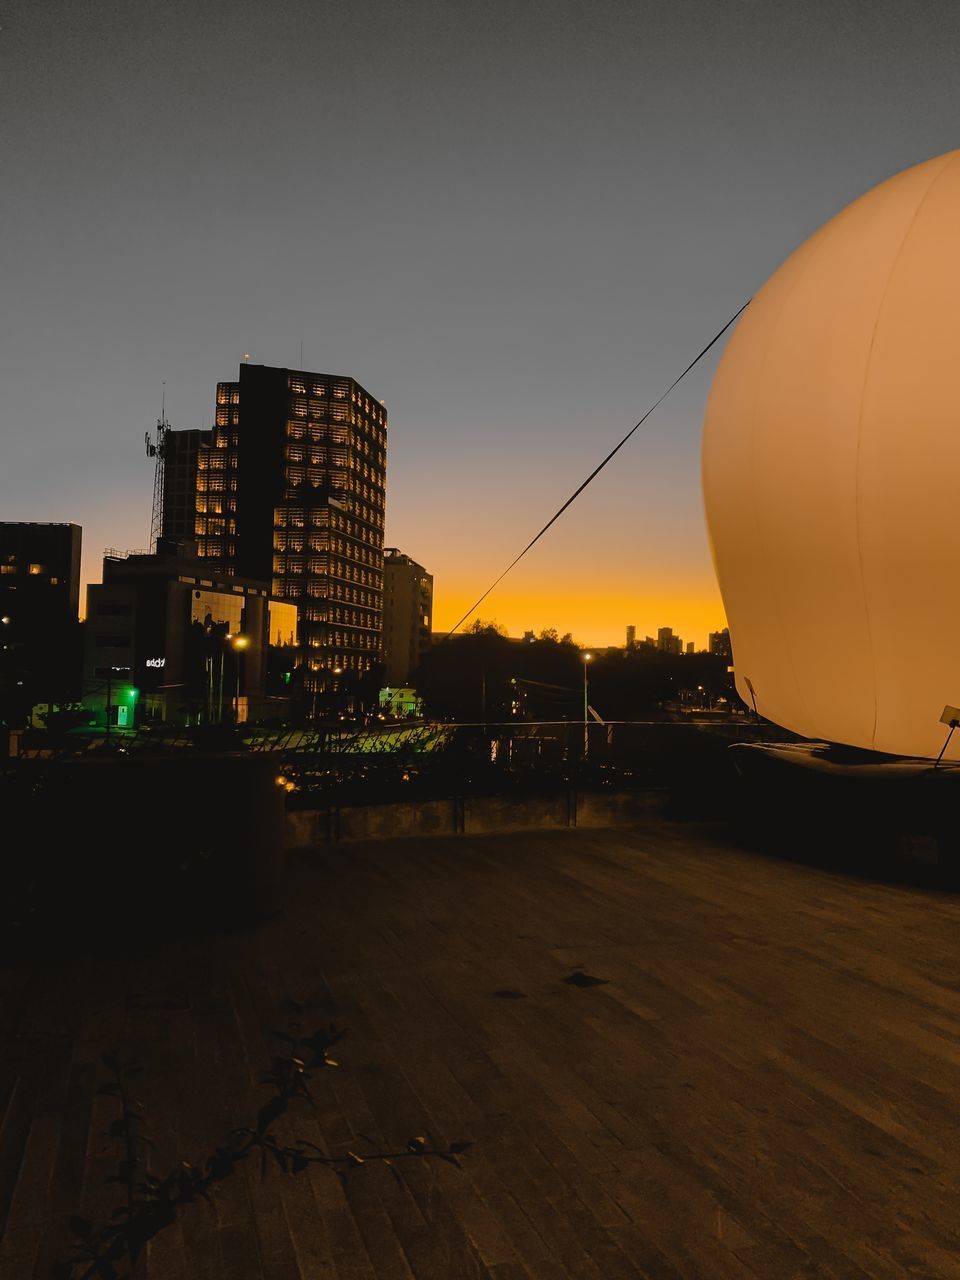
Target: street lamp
[
  {"x": 239, "y": 643},
  {"x": 586, "y": 713},
  {"x": 337, "y": 671}
]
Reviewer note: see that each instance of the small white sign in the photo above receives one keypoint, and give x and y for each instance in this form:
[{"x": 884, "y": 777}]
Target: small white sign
[{"x": 156, "y": 662}]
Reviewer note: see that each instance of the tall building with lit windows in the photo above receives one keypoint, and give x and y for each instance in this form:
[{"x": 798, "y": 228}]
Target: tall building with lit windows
[
  {"x": 290, "y": 488},
  {"x": 407, "y": 611},
  {"x": 40, "y": 648},
  {"x": 181, "y": 450}
]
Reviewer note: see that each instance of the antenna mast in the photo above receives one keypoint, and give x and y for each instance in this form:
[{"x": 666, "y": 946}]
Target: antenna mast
[{"x": 156, "y": 448}]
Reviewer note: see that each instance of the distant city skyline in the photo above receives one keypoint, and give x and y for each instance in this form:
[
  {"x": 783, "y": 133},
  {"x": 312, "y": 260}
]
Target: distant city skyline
[{"x": 514, "y": 226}]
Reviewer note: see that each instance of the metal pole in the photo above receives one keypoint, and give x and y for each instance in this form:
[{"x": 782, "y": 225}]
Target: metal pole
[
  {"x": 586, "y": 714},
  {"x": 220, "y": 693},
  {"x": 953, "y": 725}
]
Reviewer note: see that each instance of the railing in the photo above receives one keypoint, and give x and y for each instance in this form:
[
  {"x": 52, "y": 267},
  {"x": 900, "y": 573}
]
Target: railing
[
  {"x": 340, "y": 764},
  {"x": 112, "y": 553}
]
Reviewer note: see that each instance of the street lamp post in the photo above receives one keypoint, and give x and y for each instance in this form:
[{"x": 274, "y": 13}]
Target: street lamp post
[
  {"x": 223, "y": 650},
  {"x": 239, "y": 643},
  {"x": 586, "y": 707},
  {"x": 335, "y": 671}
]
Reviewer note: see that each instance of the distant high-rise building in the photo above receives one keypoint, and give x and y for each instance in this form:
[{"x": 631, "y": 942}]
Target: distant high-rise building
[
  {"x": 39, "y": 604},
  {"x": 631, "y": 637},
  {"x": 407, "y": 616},
  {"x": 667, "y": 642},
  {"x": 290, "y": 488},
  {"x": 690, "y": 648},
  {"x": 719, "y": 643}
]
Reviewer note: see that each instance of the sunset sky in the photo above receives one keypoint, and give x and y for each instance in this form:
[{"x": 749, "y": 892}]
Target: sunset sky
[{"x": 515, "y": 224}]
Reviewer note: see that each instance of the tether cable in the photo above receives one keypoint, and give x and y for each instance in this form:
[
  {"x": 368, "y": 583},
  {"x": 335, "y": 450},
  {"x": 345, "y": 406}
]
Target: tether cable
[{"x": 596, "y": 471}]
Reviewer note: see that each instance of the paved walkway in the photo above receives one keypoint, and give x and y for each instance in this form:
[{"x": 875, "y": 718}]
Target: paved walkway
[{"x": 765, "y": 1084}]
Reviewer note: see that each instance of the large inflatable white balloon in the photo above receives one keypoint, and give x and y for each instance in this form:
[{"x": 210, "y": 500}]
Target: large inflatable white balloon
[{"x": 831, "y": 474}]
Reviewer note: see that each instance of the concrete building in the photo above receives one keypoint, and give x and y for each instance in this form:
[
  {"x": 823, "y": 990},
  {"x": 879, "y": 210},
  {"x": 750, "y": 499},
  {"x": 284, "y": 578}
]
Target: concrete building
[
  {"x": 407, "y": 617},
  {"x": 170, "y": 639},
  {"x": 290, "y": 490},
  {"x": 631, "y": 637},
  {"x": 39, "y": 607}
]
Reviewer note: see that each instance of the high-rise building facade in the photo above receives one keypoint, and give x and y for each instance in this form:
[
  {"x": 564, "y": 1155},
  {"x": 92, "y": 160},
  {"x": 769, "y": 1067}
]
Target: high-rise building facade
[
  {"x": 181, "y": 451},
  {"x": 39, "y": 627},
  {"x": 407, "y": 614},
  {"x": 290, "y": 488}
]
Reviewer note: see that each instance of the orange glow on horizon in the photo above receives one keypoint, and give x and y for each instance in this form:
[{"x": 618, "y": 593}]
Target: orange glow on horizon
[{"x": 597, "y": 621}]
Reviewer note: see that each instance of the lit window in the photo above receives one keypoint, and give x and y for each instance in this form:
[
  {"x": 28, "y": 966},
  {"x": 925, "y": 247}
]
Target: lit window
[{"x": 37, "y": 568}]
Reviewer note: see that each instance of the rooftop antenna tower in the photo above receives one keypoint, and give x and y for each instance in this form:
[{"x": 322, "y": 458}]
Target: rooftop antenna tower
[{"x": 156, "y": 447}]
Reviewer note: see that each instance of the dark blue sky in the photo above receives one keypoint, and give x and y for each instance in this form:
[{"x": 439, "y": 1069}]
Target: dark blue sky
[{"x": 514, "y": 223}]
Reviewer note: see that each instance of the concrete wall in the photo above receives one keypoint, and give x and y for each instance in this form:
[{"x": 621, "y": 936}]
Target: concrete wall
[{"x": 474, "y": 815}]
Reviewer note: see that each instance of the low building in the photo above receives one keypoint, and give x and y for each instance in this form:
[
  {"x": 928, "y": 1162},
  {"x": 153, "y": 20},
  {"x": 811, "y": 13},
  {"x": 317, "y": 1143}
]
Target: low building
[
  {"x": 171, "y": 640},
  {"x": 39, "y": 607},
  {"x": 407, "y": 615},
  {"x": 400, "y": 704}
]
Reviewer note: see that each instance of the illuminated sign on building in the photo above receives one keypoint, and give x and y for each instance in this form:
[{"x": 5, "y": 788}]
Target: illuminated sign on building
[{"x": 156, "y": 662}]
